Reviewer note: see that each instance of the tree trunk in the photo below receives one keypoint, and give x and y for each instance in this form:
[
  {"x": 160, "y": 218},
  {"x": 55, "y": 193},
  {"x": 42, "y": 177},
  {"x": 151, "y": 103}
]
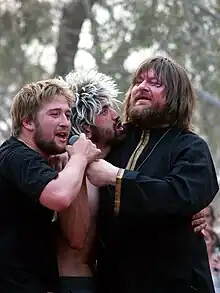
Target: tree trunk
[{"x": 73, "y": 15}]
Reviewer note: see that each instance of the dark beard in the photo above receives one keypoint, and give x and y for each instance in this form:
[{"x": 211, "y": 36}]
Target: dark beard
[
  {"x": 150, "y": 117},
  {"x": 99, "y": 136},
  {"x": 47, "y": 147}
]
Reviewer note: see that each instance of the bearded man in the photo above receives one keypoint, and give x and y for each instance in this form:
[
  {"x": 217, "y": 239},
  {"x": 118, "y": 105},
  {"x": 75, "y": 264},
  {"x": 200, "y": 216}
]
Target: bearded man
[
  {"x": 31, "y": 190},
  {"x": 164, "y": 175},
  {"x": 95, "y": 114}
]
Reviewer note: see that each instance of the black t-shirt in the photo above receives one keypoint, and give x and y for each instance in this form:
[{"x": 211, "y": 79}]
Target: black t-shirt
[{"x": 27, "y": 248}]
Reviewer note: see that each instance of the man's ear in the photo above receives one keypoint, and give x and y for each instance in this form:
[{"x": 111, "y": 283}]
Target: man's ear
[
  {"x": 29, "y": 124},
  {"x": 87, "y": 131}
]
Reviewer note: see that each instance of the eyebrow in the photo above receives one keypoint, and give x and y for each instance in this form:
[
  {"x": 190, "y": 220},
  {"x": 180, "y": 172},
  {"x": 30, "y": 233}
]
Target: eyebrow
[
  {"x": 150, "y": 78},
  {"x": 105, "y": 104},
  {"x": 154, "y": 78},
  {"x": 145, "y": 75},
  {"x": 58, "y": 109},
  {"x": 140, "y": 76}
]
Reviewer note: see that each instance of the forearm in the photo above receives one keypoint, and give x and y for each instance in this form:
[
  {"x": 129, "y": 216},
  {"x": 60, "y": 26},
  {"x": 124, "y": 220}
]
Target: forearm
[
  {"x": 141, "y": 196},
  {"x": 183, "y": 189},
  {"x": 60, "y": 192},
  {"x": 71, "y": 177}
]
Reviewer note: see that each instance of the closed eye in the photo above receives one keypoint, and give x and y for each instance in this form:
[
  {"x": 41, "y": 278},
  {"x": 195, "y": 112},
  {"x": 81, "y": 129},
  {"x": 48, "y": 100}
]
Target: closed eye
[
  {"x": 138, "y": 81},
  {"x": 68, "y": 115},
  {"x": 155, "y": 82},
  {"x": 55, "y": 114},
  {"x": 104, "y": 110}
]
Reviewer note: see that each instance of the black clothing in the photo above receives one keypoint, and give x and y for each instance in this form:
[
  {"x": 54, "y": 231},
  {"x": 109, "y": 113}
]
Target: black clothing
[
  {"x": 27, "y": 248},
  {"x": 151, "y": 246},
  {"x": 76, "y": 285}
]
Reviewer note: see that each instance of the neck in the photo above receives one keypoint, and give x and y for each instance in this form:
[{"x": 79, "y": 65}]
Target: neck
[
  {"x": 105, "y": 149},
  {"x": 30, "y": 143}
]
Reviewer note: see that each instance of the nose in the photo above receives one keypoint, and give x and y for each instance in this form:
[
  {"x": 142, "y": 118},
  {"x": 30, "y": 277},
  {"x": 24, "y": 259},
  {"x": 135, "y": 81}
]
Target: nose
[
  {"x": 114, "y": 114},
  {"x": 144, "y": 85},
  {"x": 64, "y": 121}
]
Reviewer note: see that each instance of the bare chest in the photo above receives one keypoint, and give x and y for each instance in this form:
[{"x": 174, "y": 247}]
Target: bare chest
[{"x": 93, "y": 198}]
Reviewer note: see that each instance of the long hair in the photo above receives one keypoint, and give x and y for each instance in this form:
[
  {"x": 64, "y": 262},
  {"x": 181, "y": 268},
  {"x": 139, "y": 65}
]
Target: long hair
[
  {"x": 180, "y": 96},
  {"x": 91, "y": 88}
]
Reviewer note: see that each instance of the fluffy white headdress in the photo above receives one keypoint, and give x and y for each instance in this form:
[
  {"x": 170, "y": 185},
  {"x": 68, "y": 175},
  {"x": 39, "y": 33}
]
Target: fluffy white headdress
[{"x": 90, "y": 88}]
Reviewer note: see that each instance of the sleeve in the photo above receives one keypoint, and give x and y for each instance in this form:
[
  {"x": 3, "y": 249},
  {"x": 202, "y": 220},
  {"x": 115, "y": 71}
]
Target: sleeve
[
  {"x": 189, "y": 187},
  {"x": 29, "y": 172}
]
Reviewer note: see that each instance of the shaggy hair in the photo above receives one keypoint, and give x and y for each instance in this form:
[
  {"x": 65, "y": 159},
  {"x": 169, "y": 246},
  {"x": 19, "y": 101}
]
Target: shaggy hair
[
  {"x": 180, "y": 96},
  {"x": 90, "y": 88},
  {"x": 28, "y": 101}
]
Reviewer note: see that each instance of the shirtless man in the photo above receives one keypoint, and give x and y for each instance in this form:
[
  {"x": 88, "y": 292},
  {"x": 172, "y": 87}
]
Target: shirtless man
[{"x": 94, "y": 114}]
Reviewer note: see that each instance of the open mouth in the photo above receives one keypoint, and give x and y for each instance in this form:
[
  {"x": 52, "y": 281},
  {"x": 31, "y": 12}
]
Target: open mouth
[
  {"x": 143, "y": 101},
  {"x": 119, "y": 126},
  {"x": 145, "y": 98},
  {"x": 62, "y": 136}
]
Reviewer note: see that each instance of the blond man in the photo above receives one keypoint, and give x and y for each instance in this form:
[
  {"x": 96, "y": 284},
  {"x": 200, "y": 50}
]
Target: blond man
[{"x": 31, "y": 190}]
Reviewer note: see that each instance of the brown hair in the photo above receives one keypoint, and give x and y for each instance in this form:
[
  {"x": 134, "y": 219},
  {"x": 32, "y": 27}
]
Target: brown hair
[
  {"x": 30, "y": 98},
  {"x": 180, "y": 96}
]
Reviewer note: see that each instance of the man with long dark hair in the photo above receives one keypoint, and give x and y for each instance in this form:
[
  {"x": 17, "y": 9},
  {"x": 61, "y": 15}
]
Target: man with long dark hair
[{"x": 164, "y": 175}]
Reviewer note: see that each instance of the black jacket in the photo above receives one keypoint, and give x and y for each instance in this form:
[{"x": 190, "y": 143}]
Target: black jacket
[{"x": 150, "y": 246}]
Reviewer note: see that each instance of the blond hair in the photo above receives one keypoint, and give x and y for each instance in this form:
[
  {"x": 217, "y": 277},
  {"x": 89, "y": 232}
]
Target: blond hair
[{"x": 28, "y": 101}]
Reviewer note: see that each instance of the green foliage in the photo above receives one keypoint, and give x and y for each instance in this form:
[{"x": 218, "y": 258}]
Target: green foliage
[
  {"x": 186, "y": 30},
  {"x": 25, "y": 29},
  {"x": 23, "y": 24}
]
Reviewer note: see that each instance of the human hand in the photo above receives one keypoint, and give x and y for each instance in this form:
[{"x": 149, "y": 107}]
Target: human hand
[
  {"x": 101, "y": 173},
  {"x": 58, "y": 162},
  {"x": 85, "y": 148},
  {"x": 199, "y": 222}
]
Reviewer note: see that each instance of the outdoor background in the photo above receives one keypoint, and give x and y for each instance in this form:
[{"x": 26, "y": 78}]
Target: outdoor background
[{"x": 40, "y": 39}]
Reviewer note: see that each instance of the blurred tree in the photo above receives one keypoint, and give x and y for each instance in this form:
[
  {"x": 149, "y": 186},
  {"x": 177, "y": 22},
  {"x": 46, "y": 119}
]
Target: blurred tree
[
  {"x": 187, "y": 30},
  {"x": 74, "y": 13},
  {"x": 25, "y": 30}
]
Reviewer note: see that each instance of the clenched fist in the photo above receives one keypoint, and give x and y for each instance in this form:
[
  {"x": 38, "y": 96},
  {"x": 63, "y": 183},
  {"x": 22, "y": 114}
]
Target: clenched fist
[{"x": 84, "y": 148}]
